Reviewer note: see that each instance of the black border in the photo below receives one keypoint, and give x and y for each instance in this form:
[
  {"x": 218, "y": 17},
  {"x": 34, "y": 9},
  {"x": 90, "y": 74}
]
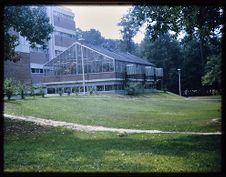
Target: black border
[{"x": 114, "y": 2}]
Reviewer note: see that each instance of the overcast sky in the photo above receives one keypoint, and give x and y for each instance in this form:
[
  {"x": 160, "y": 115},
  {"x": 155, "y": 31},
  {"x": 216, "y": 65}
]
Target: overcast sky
[{"x": 103, "y": 18}]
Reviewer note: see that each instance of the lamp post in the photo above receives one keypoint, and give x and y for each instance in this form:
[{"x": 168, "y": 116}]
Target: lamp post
[
  {"x": 179, "y": 82},
  {"x": 83, "y": 75}
]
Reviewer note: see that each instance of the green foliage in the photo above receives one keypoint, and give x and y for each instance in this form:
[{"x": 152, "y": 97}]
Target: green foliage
[
  {"x": 128, "y": 30},
  {"x": 10, "y": 87},
  {"x": 191, "y": 70},
  {"x": 166, "y": 53},
  {"x": 200, "y": 21},
  {"x": 202, "y": 27},
  {"x": 134, "y": 88},
  {"x": 21, "y": 88},
  {"x": 32, "y": 90},
  {"x": 29, "y": 147},
  {"x": 68, "y": 91},
  {"x": 213, "y": 71},
  {"x": 42, "y": 91},
  {"x": 60, "y": 91},
  {"x": 91, "y": 90},
  {"x": 31, "y": 23},
  {"x": 92, "y": 37}
]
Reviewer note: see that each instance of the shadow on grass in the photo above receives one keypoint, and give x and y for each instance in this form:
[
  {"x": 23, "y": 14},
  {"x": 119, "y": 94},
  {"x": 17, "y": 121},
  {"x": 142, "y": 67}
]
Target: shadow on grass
[
  {"x": 180, "y": 146},
  {"x": 12, "y": 101},
  {"x": 62, "y": 147}
]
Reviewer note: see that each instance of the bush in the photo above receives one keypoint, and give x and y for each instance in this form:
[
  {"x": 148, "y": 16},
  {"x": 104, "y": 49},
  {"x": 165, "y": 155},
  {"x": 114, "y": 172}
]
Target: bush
[
  {"x": 91, "y": 90},
  {"x": 42, "y": 91},
  {"x": 68, "y": 91},
  {"x": 75, "y": 90},
  {"x": 60, "y": 92},
  {"x": 32, "y": 90},
  {"x": 134, "y": 88},
  {"x": 10, "y": 87},
  {"x": 21, "y": 88}
]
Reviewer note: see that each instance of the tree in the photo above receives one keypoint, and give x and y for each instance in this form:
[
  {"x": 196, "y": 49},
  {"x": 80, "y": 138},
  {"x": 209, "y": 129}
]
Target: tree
[
  {"x": 129, "y": 29},
  {"x": 9, "y": 87},
  {"x": 111, "y": 44},
  {"x": 21, "y": 88},
  {"x": 202, "y": 26},
  {"x": 29, "y": 22},
  {"x": 213, "y": 71},
  {"x": 200, "y": 22},
  {"x": 92, "y": 36},
  {"x": 166, "y": 53},
  {"x": 191, "y": 68}
]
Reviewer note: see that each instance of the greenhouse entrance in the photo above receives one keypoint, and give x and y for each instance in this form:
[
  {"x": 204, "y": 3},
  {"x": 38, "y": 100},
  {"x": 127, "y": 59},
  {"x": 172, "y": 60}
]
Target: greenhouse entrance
[{"x": 86, "y": 68}]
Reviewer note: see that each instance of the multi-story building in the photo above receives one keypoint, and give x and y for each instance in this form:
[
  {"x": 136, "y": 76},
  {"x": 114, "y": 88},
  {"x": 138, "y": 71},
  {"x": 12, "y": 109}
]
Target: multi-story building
[
  {"x": 69, "y": 65},
  {"x": 62, "y": 19}
]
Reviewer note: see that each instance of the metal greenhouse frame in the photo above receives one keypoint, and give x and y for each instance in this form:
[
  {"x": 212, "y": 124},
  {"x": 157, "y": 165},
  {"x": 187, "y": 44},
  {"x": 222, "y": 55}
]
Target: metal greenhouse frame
[{"x": 90, "y": 66}]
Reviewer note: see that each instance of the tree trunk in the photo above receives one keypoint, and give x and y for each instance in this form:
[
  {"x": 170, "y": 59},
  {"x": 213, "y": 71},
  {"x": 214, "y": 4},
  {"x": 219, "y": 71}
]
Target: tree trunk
[
  {"x": 8, "y": 96},
  {"x": 22, "y": 94}
]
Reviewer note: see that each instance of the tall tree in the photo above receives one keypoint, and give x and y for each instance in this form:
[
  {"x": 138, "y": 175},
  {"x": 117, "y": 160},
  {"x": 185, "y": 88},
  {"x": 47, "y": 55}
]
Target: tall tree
[
  {"x": 191, "y": 66},
  {"x": 92, "y": 36},
  {"x": 165, "y": 52},
  {"x": 129, "y": 29},
  {"x": 202, "y": 26},
  {"x": 200, "y": 22},
  {"x": 213, "y": 72},
  {"x": 29, "y": 22}
]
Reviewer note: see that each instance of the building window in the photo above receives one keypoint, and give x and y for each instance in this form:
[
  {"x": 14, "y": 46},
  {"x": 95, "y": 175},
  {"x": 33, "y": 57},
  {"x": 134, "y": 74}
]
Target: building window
[
  {"x": 100, "y": 88},
  {"x": 75, "y": 89},
  {"x": 58, "y": 14},
  {"x": 119, "y": 87},
  {"x": 50, "y": 90},
  {"x": 108, "y": 87},
  {"x": 36, "y": 70},
  {"x": 62, "y": 34}
]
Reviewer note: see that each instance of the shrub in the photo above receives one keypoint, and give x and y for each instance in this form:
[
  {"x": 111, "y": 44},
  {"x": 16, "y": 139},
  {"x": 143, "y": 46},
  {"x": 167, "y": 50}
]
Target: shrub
[
  {"x": 32, "y": 90},
  {"x": 10, "y": 87},
  {"x": 42, "y": 91},
  {"x": 61, "y": 92},
  {"x": 68, "y": 91},
  {"x": 91, "y": 90},
  {"x": 75, "y": 90},
  {"x": 134, "y": 88},
  {"x": 21, "y": 88}
]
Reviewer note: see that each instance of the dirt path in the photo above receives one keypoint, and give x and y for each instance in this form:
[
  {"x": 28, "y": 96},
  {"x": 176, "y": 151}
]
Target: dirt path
[{"x": 91, "y": 128}]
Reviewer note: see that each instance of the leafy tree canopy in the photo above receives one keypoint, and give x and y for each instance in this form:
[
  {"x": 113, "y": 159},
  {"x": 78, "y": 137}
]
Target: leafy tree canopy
[
  {"x": 92, "y": 36},
  {"x": 202, "y": 27},
  {"x": 199, "y": 21},
  {"x": 213, "y": 71},
  {"x": 30, "y": 22}
]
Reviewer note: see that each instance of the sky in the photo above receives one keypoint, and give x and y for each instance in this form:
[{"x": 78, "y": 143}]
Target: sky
[{"x": 102, "y": 18}]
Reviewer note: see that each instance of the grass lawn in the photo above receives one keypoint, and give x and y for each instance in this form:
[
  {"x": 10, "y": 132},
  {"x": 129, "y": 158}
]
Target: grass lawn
[
  {"x": 29, "y": 147},
  {"x": 160, "y": 111}
]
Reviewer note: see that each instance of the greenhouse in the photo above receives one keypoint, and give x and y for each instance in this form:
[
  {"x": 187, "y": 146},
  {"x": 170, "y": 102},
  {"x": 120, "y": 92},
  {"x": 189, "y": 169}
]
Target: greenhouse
[{"x": 85, "y": 68}]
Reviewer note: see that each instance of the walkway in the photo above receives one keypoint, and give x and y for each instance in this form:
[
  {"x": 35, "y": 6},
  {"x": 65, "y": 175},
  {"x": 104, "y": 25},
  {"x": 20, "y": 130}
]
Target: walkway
[{"x": 91, "y": 128}]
